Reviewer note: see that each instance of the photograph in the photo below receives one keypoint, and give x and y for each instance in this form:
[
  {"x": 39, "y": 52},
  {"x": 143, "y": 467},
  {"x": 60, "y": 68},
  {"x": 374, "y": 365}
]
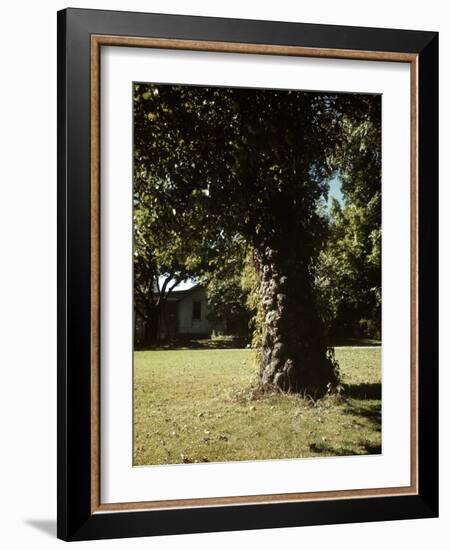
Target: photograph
[{"x": 257, "y": 297}]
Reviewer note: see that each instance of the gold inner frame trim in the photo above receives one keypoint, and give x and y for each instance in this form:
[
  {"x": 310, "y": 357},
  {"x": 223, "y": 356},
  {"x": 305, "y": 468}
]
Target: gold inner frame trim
[{"x": 97, "y": 41}]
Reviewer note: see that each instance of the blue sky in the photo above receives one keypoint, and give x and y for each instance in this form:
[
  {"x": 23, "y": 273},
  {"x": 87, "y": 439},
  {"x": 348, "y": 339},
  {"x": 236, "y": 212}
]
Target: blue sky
[{"x": 335, "y": 189}]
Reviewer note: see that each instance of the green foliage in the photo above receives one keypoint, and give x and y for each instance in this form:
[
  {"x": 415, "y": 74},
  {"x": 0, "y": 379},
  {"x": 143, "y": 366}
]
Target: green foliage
[
  {"x": 173, "y": 237},
  {"x": 250, "y": 282},
  {"x": 252, "y": 162},
  {"x": 349, "y": 268},
  {"x": 227, "y": 296}
]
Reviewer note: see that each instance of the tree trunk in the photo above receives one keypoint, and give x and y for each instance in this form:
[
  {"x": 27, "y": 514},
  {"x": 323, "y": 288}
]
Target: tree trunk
[
  {"x": 294, "y": 353},
  {"x": 151, "y": 327}
]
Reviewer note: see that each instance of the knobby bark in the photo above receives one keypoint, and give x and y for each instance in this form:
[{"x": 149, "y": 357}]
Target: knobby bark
[{"x": 294, "y": 356}]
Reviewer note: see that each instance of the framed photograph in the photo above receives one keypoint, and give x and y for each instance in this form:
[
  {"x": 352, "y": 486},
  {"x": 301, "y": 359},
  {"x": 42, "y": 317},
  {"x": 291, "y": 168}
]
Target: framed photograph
[{"x": 247, "y": 254}]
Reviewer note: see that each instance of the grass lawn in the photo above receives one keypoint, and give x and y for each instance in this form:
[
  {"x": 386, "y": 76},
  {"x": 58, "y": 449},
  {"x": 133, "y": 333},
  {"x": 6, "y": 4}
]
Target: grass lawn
[{"x": 196, "y": 406}]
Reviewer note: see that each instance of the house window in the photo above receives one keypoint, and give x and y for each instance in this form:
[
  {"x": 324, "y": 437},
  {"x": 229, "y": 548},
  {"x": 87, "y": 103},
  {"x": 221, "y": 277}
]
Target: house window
[{"x": 196, "y": 311}]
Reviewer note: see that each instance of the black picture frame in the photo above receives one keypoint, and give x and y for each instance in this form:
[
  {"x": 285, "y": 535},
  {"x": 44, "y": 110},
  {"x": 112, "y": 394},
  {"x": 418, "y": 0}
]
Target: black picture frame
[{"x": 75, "y": 518}]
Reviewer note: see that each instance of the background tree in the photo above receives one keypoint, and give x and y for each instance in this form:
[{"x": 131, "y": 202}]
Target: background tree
[
  {"x": 349, "y": 267},
  {"x": 164, "y": 256},
  {"x": 254, "y": 164},
  {"x": 169, "y": 247},
  {"x": 227, "y": 293}
]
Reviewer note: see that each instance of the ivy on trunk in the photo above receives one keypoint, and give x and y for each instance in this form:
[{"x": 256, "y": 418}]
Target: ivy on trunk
[{"x": 294, "y": 356}]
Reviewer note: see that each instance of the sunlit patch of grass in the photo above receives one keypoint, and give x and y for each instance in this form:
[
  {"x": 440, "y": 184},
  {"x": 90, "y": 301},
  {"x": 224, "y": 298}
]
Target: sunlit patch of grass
[{"x": 198, "y": 406}]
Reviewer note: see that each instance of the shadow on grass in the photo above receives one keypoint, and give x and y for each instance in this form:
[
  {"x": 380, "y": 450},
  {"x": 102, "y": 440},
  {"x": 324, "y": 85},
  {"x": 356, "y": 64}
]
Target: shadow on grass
[
  {"x": 354, "y": 342},
  {"x": 370, "y": 412},
  {"x": 331, "y": 450},
  {"x": 360, "y": 410},
  {"x": 225, "y": 342},
  {"x": 229, "y": 342},
  {"x": 363, "y": 391}
]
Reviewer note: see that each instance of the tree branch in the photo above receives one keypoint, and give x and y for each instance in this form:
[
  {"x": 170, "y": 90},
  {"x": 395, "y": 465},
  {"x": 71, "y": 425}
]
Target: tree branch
[{"x": 141, "y": 313}]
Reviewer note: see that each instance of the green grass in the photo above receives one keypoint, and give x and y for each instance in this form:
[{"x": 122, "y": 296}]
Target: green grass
[{"x": 197, "y": 406}]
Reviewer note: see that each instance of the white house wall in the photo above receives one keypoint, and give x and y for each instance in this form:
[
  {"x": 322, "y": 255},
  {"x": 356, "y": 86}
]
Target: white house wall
[{"x": 188, "y": 325}]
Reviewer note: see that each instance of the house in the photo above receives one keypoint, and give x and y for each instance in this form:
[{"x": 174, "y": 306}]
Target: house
[{"x": 185, "y": 315}]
